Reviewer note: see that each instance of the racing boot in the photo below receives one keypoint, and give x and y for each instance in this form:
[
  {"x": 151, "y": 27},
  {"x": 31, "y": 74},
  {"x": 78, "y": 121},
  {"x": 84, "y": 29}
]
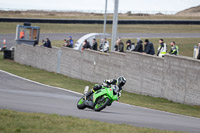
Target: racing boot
[
  {"x": 95, "y": 88},
  {"x": 89, "y": 93}
]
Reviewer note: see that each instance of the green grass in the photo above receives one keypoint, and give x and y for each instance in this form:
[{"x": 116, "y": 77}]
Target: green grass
[
  {"x": 18, "y": 122},
  {"x": 91, "y": 28},
  {"x": 78, "y": 85}
]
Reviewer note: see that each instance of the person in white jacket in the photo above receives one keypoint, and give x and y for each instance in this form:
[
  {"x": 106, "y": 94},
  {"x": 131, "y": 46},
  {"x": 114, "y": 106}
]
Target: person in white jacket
[
  {"x": 162, "y": 48},
  {"x": 104, "y": 46}
]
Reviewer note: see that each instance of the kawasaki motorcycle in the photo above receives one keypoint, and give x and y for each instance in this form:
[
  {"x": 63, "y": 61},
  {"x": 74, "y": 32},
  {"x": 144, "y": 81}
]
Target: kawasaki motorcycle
[{"x": 100, "y": 98}]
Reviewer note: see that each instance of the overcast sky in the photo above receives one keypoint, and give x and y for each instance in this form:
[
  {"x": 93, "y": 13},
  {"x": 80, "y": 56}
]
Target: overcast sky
[{"x": 125, "y": 5}]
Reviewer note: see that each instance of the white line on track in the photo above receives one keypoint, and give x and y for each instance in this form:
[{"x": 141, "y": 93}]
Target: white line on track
[{"x": 40, "y": 83}]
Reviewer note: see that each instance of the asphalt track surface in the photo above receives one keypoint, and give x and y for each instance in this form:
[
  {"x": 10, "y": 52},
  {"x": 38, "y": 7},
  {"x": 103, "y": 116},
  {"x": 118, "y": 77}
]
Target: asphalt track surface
[
  {"x": 28, "y": 96},
  {"x": 61, "y": 36}
]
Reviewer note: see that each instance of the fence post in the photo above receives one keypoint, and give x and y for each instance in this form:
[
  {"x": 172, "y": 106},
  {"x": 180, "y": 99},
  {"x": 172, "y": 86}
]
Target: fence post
[{"x": 59, "y": 60}]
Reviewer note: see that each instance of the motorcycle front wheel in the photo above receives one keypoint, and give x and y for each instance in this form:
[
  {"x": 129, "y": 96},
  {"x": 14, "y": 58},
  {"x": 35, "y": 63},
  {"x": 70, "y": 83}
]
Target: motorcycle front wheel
[{"x": 101, "y": 103}]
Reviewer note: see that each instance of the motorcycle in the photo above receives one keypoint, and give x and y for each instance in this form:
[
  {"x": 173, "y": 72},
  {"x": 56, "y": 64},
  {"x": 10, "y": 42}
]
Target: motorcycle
[{"x": 100, "y": 98}]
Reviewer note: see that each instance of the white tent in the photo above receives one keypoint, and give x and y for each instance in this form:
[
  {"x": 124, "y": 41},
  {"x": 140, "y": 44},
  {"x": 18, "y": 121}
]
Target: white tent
[{"x": 89, "y": 37}]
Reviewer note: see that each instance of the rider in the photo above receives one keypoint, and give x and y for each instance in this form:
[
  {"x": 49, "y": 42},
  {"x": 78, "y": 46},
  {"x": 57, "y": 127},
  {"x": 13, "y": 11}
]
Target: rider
[{"x": 120, "y": 81}]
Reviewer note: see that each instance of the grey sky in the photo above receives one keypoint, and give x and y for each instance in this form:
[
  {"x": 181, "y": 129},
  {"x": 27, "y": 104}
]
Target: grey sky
[{"x": 125, "y": 5}]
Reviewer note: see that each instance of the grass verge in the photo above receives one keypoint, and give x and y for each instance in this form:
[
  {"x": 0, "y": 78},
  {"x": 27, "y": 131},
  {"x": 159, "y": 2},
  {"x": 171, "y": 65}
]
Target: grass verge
[
  {"x": 16, "y": 122},
  {"x": 78, "y": 85}
]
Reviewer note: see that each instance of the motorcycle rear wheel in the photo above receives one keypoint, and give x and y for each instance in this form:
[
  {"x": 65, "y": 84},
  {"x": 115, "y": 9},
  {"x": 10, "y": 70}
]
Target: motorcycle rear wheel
[{"x": 81, "y": 103}]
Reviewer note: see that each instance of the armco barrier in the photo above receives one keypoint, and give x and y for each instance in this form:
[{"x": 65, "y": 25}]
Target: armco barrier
[
  {"x": 70, "y": 21},
  {"x": 174, "y": 78}
]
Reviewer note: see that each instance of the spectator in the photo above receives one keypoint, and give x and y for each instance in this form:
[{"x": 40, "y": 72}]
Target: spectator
[
  {"x": 174, "y": 49},
  {"x": 66, "y": 43},
  {"x": 119, "y": 46},
  {"x": 198, "y": 57},
  {"x": 95, "y": 44},
  {"x": 43, "y": 42},
  {"x": 101, "y": 44},
  {"x": 71, "y": 42},
  {"x": 162, "y": 49},
  {"x": 47, "y": 43},
  {"x": 139, "y": 46},
  {"x": 148, "y": 48},
  {"x": 104, "y": 46},
  {"x": 86, "y": 45},
  {"x": 21, "y": 36},
  {"x": 130, "y": 46}
]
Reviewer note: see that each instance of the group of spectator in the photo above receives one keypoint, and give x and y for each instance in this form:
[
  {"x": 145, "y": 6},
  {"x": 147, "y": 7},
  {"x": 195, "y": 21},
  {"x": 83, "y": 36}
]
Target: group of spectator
[
  {"x": 68, "y": 42},
  {"x": 46, "y": 43},
  {"x": 148, "y": 46},
  {"x": 103, "y": 47},
  {"x": 119, "y": 46}
]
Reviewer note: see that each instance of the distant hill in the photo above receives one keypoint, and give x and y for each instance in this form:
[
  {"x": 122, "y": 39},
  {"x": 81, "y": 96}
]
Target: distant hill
[{"x": 193, "y": 11}]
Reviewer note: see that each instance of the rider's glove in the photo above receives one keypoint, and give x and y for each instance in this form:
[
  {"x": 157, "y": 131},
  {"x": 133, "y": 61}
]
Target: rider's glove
[
  {"x": 104, "y": 84},
  {"x": 97, "y": 87}
]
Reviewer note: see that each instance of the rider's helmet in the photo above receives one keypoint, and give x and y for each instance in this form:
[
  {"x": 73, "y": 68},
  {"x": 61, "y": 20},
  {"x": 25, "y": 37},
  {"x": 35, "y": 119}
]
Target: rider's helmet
[{"x": 121, "y": 81}]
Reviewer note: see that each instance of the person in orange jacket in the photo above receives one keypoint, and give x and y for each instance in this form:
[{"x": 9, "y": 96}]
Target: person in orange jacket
[{"x": 21, "y": 36}]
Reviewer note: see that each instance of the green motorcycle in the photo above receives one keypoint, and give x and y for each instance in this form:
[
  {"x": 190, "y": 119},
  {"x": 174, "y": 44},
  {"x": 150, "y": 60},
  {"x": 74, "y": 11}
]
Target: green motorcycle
[{"x": 100, "y": 98}]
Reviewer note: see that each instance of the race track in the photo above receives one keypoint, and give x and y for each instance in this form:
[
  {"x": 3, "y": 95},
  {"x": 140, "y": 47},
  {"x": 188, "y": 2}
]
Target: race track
[{"x": 28, "y": 96}]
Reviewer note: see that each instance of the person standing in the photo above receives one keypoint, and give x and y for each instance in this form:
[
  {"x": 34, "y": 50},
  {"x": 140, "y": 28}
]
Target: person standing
[
  {"x": 139, "y": 46},
  {"x": 104, "y": 46},
  {"x": 47, "y": 43},
  {"x": 71, "y": 42},
  {"x": 198, "y": 57},
  {"x": 95, "y": 44},
  {"x": 148, "y": 48},
  {"x": 86, "y": 45},
  {"x": 119, "y": 45},
  {"x": 21, "y": 36},
  {"x": 65, "y": 43},
  {"x": 162, "y": 49},
  {"x": 130, "y": 46},
  {"x": 174, "y": 49},
  {"x": 43, "y": 43}
]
